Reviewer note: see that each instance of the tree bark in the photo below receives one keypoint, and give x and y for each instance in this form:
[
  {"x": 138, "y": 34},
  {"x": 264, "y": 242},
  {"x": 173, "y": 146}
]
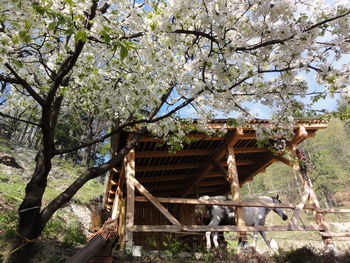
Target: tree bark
[{"x": 29, "y": 214}]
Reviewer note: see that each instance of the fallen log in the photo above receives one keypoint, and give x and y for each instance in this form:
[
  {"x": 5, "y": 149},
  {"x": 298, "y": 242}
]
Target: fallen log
[{"x": 107, "y": 233}]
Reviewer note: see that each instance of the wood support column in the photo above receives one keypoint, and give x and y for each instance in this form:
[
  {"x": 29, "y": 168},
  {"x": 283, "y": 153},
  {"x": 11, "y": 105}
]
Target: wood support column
[
  {"x": 232, "y": 177},
  {"x": 130, "y": 199},
  {"x": 310, "y": 195}
]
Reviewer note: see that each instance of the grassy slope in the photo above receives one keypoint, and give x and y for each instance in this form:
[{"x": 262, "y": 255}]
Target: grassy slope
[{"x": 64, "y": 232}]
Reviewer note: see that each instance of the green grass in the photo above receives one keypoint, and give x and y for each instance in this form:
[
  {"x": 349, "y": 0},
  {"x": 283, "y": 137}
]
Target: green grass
[
  {"x": 12, "y": 185},
  {"x": 63, "y": 226}
]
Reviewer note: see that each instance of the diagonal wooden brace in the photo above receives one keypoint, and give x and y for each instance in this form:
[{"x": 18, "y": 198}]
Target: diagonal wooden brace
[
  {"x": 299, "y": 207},
  {"x": 155, "y": 202}
]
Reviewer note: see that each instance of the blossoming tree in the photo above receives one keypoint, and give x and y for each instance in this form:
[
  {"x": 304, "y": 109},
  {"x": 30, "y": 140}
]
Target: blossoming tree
[{"x": 136, "y": 64}]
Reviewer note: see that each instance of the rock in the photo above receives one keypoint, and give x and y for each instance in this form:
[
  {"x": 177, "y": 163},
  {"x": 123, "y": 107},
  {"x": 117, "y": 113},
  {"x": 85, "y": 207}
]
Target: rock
[{"x": 9, "y": 160}]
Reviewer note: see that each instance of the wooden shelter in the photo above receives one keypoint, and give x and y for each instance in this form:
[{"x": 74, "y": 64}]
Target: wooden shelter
[{"x": 207, "y": 165}]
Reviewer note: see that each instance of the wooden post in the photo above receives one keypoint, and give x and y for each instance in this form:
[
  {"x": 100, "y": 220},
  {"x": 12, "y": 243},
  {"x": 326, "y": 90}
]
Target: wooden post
[
  {"x": 122, "y": 225},
  {"x": 130, "y": 200},
  {"x": 312, "y": 198},
  {"x": 116, "y": 203},
  {"x": 232, "y": 178}
]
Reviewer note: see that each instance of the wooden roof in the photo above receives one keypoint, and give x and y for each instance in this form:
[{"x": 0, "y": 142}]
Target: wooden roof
[{"x": 200, "y": 167}]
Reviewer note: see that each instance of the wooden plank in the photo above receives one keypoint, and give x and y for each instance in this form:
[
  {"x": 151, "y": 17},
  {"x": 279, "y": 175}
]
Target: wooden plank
[
  {"x": 173, "y": 177},
  {"x": 259, "y": 167},
  {"x": 172, "y": 186},
  {"x": 195, "y": 137},
  {"x": 130, "y": 195},
  {"x": 155, "y": 202},
  {"x": 232, "y": 178},
  {"x": 155, "y": 228},
  {"x": 210, "y": 183},
  {"x": 286, "y": 161},
  {"x": 251, "y": 228},
  {"x": 218, "y": 154},
  {"x": 107, "y": 187},
  {"x": 250, "y": 150},
  {"x": 299, "y": 136},
  {"x": 335, "y": 211},
  {"x": 299, "y": 207},
  {"x": 169, "y": 167},
  {"x": 239, "y": 162},
  {"x": 332, "y": 234},
  {"x": 223, "y": 228},
  {"x": 151, "y": 154},
  {"x": 121, "y": 226},
  {"x": 116, "y": 206},
  {"x": 173, "y": 200},
  {"x": 181, "y": 166},
  {"x": 319, "y": 217},
  {"x": 152, "y": 179}
]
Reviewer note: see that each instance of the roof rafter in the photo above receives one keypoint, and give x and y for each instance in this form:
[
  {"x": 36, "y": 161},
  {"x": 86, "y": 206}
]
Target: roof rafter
[{"x": 231, "y": 138}]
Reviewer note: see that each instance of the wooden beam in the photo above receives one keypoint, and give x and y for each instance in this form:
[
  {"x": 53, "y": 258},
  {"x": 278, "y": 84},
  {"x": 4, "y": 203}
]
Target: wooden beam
[
  {"x": 116, "y": 206},
  {"x": 165, "y": 178},
  {"x": 319, "y": 217},
  {"x": 285, "y": 161},
  {"x": 230, "y": 139},
  {"x": 169, "y": 167},
  {"x": 245, "y": 203},
  {"x": 181, "y": 166},
  {"x": 210, "y": 183},
  {"x": 174, "y": 177},
  {"x": 233, "y": 179},
  {"x": 250, "y": 150},
  {"x": 332, "y": 234},
  {"x": 259, "y": 167},
  {"x": 164, "y": 187},
  {"x": 238, "y": 162},
  {"x": 335, "y": 211},
  {"x": 299, "y": 136},
  {"x": 227, "y": 228},
  {"x": 155, "y": 202},
  {"x": 151, "y": 154},
  {"x": 130, "y": 195},
  {"x": 195, "y": 137}
]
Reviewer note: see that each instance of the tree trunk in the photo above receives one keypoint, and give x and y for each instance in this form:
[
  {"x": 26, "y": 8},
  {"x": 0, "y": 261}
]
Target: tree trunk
[
  {"x": 24, "y": 134},
  {"x": 29, "y": 227}
]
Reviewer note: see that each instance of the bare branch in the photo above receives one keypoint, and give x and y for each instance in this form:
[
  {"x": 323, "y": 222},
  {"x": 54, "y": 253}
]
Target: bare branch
[
  {"x": 67, "y": 195},
  {"x": 25, "y": 85},
  {"x": 18, "y": 119}
]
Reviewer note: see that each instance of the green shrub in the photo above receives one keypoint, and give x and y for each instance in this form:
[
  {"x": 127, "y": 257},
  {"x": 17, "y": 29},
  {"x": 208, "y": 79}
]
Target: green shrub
[
  {"x": 53, "y": 228},
  {"x": 308, "y": 254},
  {"x": 74, "y": 235},
  {"x": 8, "y": 221}
]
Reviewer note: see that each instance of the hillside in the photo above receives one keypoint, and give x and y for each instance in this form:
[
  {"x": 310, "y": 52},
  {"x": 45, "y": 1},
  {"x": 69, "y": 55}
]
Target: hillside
[
  {"x": 329, "y": 154},
  {"x": 69, "y": 227}
]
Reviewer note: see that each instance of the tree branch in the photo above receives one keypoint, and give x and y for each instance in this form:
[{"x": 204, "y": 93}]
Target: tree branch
[
  {"x": 18, "y": 119},
  {"x": 281, "y": 41},
  {"x": 67, "y": 195},
  {"x": 24, "y": 84},
  {"x": 326, "y": 21},
  {"x": 71, "y": 60},
  {"x": 196, "y": 33},
  {"x": 120, "y": 128}
]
